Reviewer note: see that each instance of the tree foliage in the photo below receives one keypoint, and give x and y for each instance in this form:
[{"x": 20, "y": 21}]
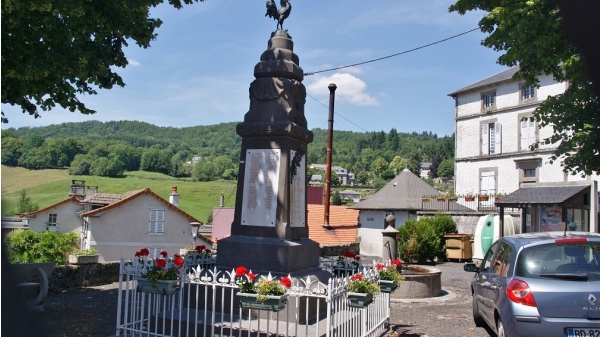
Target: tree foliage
[
  {"x": 53, "y": 51},
  {"x": 532, "y": 35},
  {"x": 446, "y": 169}
]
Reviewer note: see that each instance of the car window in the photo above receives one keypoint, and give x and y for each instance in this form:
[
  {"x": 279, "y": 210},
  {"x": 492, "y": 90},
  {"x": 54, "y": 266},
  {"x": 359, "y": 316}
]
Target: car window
[
  {"x": 501, "y": 260},
  {"x": 487, "y": 264},
  {"x": 552, "y": 258}
]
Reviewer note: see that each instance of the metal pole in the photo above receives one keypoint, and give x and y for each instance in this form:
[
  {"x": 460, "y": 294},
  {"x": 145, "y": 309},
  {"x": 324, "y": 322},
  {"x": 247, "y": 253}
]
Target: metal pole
[{"x": 332, "y": 88}]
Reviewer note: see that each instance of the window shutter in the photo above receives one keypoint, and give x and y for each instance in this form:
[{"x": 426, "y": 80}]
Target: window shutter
[
  {"x": 488, "y": 183},
  {"x": 531, "y": 132},
  {"x": 485, "y": 139},
  {"x": 524, "y": 134},
  {"x": 160, "y": 222},
  {"x": 153, "y": 216},
  {"x": 498, "y": 138}
]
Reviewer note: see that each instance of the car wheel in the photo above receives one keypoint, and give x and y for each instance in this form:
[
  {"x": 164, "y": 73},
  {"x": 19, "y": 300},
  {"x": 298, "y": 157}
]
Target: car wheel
[
  {"x": 500, "y": 329},
  {"x": 476, "y": 316}
]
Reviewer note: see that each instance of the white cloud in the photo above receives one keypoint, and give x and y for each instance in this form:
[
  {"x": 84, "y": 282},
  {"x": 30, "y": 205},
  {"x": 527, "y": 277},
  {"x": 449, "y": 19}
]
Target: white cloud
[
  {"x": 133, "y": 63},
  {"x": 349, "y": 88}
]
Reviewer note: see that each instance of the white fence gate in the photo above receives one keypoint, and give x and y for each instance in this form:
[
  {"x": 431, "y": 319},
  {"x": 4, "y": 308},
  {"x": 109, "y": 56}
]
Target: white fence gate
[{"x": 206, "y": 304}]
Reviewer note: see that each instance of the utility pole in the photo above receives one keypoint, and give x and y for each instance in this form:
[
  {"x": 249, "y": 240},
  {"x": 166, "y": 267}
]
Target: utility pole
[{"x": 332, "y": 88}]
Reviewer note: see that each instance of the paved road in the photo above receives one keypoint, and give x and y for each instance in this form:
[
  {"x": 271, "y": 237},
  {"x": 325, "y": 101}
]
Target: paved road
[{"x": 446, "y": 316}]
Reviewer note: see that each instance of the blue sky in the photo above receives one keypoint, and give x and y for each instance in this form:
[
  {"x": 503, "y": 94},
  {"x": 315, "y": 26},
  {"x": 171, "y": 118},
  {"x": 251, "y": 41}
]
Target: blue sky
[{"x": 199, "y": 69}]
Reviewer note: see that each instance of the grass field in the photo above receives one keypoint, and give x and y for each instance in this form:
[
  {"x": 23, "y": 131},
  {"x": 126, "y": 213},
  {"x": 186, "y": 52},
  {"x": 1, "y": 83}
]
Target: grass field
[{"x": 46, "y": 187}]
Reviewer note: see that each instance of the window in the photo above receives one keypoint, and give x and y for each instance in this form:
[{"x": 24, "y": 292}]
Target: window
[
  {"x": 528, "y": 170},
  {"x": 157, "y": 221},
  {"x": 527, "y": 92},
  {"x": 529, "y": 173},
  {"x": 155, "y": 253},
  {"x": 487, "y": 183},
  {"x": 491, "y": 138},
  {"x": 52, "y": 219},
  {"x": 488, "y": 100},
  {"x": 528, "y": 133}
]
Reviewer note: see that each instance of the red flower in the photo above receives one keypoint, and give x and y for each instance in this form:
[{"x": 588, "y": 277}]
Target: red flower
[
  {"x": 349, "y": 254},
  {"x": 161, "y": 263},
  {"x": 286, "y": 282},
  {"x": 199, "y": 249},
  {"x": 163, "y": 253},
  {"x": 137, "y": 254},
  {"x": 397, "y": 262},
  {"x": 144, "y": 252},
  {"x": 207, "y": 251},
  {"x": 241, "y": 271},
  {"x": 356, "y": 277},
  {"x": 357, "y": 258},
  {"x": 251, "y": 276},
  {"x": 178, "y": 260},
  {"x": 380, "y": 266}
]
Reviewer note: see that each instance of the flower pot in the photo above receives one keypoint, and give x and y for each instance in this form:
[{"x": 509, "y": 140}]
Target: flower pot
[
  {"x": 484, "y": 198},
  {"x": 386, "y": 286},
  {"x": 272, "y": 303},
  {"x": 469, "y": 198},
  {"x": 83, "y": 259},
  {"x": 163, "y": 287},
  {"x": 359, "y": 300}
]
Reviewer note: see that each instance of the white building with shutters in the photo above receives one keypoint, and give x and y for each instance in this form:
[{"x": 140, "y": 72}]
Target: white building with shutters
[{"x": 493, "y": 136}]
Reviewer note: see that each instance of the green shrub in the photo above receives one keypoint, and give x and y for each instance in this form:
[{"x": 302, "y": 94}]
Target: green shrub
[
  {"x": 442, "y": 224},
  {"x": 422, "y": 240},
  {"x": 25, "y": 246}
]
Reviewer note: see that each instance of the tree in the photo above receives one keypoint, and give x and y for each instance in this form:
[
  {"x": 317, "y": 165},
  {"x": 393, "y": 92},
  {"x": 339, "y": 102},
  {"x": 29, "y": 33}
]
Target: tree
[
  {"x": 533, "y": 36},
  {"x": 54, "y": 50},
  {"x": 336, "y": 199},
  {"x": 363, "y": 177},
  {"x": 24, "y": 204},
  {"x": 379, "y": 165},
  {"x": 446, "y": 169}
]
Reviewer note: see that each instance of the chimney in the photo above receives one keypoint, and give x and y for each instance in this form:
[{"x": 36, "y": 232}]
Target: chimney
[
  {"x": 221, "y": 200},
  {"x": 174, "y": 197}
]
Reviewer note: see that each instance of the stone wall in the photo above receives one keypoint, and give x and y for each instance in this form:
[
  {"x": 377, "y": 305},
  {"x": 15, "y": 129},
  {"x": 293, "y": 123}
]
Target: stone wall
[{"x": 69, "y": 276}]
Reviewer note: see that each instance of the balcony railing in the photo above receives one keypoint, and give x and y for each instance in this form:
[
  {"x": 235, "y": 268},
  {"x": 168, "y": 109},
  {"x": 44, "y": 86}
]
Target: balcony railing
[{"x": 478, "y": 203}]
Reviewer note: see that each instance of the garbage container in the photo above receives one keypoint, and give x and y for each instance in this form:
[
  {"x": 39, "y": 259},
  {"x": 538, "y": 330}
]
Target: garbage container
[{"x": 458, "y": 246}]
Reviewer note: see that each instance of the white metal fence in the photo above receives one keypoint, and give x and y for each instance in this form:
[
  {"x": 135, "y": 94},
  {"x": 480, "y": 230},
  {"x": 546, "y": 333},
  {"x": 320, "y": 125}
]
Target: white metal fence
[{"x": 206, "y": 304}]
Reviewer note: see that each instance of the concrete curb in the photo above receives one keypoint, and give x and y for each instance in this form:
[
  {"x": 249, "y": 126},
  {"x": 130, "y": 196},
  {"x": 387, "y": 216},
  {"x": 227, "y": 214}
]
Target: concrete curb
[{"x": 446, "y": 295}]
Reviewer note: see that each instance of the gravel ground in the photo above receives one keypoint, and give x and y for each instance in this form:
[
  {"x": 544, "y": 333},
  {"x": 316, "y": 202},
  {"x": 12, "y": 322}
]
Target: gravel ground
[
  {"x": 449, "y": 315},
  {"x": 91, "y": 312}
]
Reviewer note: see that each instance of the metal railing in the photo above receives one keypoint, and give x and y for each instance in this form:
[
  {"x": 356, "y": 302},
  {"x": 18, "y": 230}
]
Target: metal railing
[
  {"x": 206, "y": 304},
  {"x": 460, "y": 203}
]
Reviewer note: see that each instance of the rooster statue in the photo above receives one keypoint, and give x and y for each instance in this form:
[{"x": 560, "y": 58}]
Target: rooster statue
[{"x": 280, "y": 14}]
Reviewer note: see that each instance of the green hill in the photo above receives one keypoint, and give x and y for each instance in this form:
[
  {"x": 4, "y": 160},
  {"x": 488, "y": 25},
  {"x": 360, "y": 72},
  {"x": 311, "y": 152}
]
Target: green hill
[{"x": 46, "y": 187}]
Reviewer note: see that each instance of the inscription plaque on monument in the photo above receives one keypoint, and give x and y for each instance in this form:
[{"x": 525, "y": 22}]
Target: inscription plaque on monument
[
  {"x": 261, "y": 184},
  {"x": 297, "y": 188}
]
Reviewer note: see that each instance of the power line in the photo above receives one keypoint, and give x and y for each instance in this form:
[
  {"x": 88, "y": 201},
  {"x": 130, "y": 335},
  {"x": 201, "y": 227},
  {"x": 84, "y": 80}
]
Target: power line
[
  {"x": 389, "y": 56},
  {"x": 337, "y": 114}
]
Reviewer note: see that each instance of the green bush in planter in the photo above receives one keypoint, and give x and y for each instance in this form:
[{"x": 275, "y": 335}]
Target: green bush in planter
[
  {"x": 442, "y": 224},
  {"x": 423, "y": 240},
  {"x": 25, "y": 246}
]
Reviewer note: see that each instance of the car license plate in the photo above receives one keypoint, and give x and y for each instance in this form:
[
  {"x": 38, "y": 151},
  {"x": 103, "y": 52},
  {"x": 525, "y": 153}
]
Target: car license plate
[{"x": 582, "y": 332}]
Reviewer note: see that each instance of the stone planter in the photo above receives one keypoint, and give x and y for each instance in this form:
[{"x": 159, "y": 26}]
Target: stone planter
[
  {"x": 359, "y": 300},
  {"x": 162, "y": 287},
  {"x": 83, "y": 259},
  {"x": 386, "y": 286},
  {"x": 272, "y": 303}
]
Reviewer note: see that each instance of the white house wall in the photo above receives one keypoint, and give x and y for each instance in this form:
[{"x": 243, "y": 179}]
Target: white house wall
[
  {"x": 121, "y": 231},
  {"x": 66, "y": 217},
  {"x": 372, "y": 223}
]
